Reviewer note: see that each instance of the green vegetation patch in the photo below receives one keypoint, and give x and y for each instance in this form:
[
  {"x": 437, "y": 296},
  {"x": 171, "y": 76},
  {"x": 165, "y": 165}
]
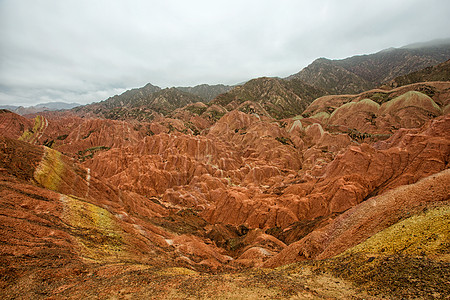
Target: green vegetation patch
[
  {"x": 89, "y": 153},
  {"x": 360, "y": 136},
  {"x": 123, "y": 113},
  {"x": 430, "y": 91},
  {"x": 321, "y": 115},
  {"x": 248, "y": 109},
  {"x": 88, "y": 134},
  {"x": 284, "y": 140},
  {"x": 192, "y": 127},
  {"x": 196, "y": 110},
  {"x": 380, "y": 97},
  {"x": 215, "y": 115},
  {"x": 62, "y": 137}
]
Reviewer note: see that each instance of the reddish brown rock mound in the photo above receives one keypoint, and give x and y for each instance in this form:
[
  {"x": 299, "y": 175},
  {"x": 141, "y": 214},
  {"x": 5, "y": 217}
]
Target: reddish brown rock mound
[{"x": 364, "y": 220}]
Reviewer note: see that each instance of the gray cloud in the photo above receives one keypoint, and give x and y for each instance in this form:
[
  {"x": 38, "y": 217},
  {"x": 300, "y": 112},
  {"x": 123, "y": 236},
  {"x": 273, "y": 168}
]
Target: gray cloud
[{"x": 86, "y": 51}]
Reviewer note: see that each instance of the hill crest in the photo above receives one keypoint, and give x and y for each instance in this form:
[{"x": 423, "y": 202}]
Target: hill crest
[{"x": 362, "y": 72}]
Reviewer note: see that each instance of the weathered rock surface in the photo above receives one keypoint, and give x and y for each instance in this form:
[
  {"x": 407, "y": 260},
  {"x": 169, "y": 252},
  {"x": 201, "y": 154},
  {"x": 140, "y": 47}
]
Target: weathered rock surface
[
  {"x": 356, "y": 174},
  {"x": 271, "y": 97},
  {"x": 366, "y": 219},
  {"x": 206, "y": 188},
  {"x": 440, "y": 72},
  {"x": 362, "y": 72},
  {"x": 374, "y": 113},
  {"x": 56, "y": 211},
  {"x": 12, "y": 125}
]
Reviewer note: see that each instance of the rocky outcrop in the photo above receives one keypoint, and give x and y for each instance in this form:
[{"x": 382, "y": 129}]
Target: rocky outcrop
[
  {"x": 12, "y": 125},
  {"x": 373, "y": 114},
  {"x": 211, "y": 189},
  {"x": 335, "y": 79},
  {"x": 144, "y": 104},
  {"x": 440, "y": 72},
  {"x": 163, "y": 161},
  {"x": 366, "y": 219},
  {"x": 57, "y": 211},
  {"x": 359, "y": 73},
  {"x": 206, "y": 91},
  {"x": 274, "y": 97},
  {"x": 353, "y": 176}
]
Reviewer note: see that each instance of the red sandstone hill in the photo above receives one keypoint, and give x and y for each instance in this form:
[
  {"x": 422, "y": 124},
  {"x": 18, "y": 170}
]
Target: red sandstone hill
[
  {"x": 12, "y": 125},
  {"x": 381, "y": 111},
  {"x": 207, "y": 191}
]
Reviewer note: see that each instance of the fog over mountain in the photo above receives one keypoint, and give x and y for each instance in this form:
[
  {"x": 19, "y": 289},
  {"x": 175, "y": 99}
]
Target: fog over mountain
[{"x": 80, "y": 51}]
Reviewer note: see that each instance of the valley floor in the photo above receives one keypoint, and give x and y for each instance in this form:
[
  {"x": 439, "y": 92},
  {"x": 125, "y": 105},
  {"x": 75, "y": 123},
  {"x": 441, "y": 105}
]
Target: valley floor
[
  {"x": 389, "y": 277},
  {"x": 131, "y": 281}
]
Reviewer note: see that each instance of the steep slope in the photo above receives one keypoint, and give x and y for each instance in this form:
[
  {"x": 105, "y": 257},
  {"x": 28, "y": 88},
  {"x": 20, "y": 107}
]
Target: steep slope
[
  {"x": 377, "y": 113},
  {"x": 440, "y": 72},
  {"x": 13, "y": 125},
  {"x": 72, "y": 211},
  {"x": 140, "y": 104},
  {"x": 327, "y": 75},
  {"x": 150, "y": 102},
  {"x": 369, "y": 218},
  {"x": 205, "y": 91},
  {"x": 354, "y": 175},
  {"x": 129, "y": 97},
  {"x": 271, "y": 97},
  {"x": 358, "y": 73},
  {"x": 261, "y": 176}
]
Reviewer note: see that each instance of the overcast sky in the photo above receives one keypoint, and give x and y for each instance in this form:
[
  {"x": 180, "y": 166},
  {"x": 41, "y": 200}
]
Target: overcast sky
[{"x": 87, "y": 50}]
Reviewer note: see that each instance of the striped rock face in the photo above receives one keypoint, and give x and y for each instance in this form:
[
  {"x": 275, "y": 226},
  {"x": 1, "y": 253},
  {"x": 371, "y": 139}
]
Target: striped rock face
[{"x": 245, "y": 191}]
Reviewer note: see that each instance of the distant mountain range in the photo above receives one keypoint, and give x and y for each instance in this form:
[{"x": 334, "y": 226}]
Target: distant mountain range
[
  {"x": 439, "y": 72},
  {"x": 205, "y": 91},
  {"x": 359, "y": 73},
  {"x": 273, "y": 97},
  {"x": 49, "y": 106},
  {"x": 144, "y": 103},
  {"x": 276, "y": 97}
]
